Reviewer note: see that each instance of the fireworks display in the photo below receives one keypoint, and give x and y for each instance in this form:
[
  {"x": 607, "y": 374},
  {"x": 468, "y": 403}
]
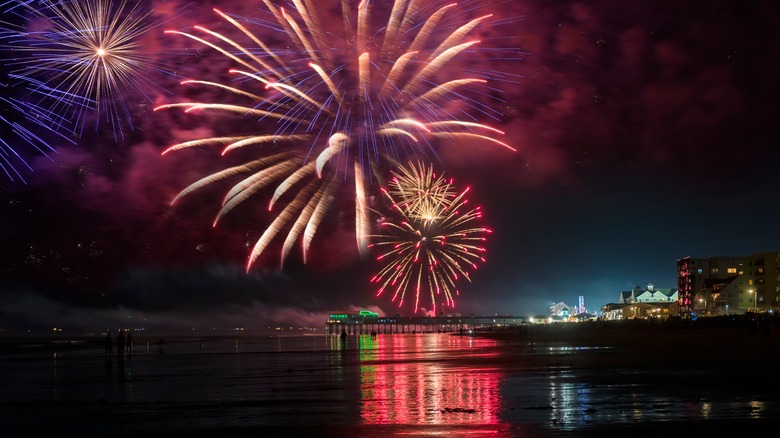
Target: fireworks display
[
  {"x": 429, "y": 239},
  {"x": 24, "y": 127},
  {"x": 82, "y": 60},
  {"x": 339, "y": 101}
]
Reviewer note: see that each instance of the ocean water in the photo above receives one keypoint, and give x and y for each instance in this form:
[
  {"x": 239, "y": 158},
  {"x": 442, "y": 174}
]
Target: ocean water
[{"x": 394, "y": 385}]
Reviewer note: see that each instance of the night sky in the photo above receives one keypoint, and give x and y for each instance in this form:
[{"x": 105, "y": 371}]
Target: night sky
[{"x": 646, "y": 131}]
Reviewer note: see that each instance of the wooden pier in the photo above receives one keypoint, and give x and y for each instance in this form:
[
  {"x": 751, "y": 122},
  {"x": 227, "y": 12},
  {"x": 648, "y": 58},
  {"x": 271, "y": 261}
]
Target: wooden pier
[{"x": 365, "y": 322}]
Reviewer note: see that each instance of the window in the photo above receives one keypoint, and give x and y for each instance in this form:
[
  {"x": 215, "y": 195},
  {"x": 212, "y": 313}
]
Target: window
[
  {"x": 698, "y": 271},
  {"x": 731, "y": 270}
]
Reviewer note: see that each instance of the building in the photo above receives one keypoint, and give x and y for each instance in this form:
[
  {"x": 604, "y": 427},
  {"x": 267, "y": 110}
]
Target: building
[
  {"x": 767, "y": 280},
  {"x": 549, "y": 319},
  {"x": 637, "y": 310},
  {"x": 723, "y": 285},
  {"x": 643, "y": 303},
  {"x": 651, "y": 294},
  {"x": 560, "y": 309}
]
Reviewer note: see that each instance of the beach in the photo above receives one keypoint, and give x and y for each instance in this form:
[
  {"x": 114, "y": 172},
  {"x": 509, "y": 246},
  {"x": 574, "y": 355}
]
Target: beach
[{"x": 572, "y": 380}]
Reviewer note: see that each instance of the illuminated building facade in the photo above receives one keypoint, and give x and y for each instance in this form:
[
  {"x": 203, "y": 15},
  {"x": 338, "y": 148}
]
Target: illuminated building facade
[
  {"x": 650, "y": 294},
  {"x": 639, "y": 310},
  {"x": 648, "y": 302},
  {"x": 723, "y": 285},
  {"x": 562, "y": 310},
  {"x": 767, "y": 280}
]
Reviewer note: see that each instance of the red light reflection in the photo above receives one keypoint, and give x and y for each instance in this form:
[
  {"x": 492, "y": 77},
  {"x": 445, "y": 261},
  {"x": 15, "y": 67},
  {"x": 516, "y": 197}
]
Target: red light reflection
[{"x": 428, "y": 379}]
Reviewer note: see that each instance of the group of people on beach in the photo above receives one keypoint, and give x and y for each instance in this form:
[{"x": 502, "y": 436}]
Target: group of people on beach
[{"x": 124, "y": 344}]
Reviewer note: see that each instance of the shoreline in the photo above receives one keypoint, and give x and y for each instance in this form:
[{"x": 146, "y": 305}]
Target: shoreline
[{"x": 740, "y": 338}]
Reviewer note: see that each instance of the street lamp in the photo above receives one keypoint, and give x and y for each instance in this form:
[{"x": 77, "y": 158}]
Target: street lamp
[{"x": 755, "y": 298}]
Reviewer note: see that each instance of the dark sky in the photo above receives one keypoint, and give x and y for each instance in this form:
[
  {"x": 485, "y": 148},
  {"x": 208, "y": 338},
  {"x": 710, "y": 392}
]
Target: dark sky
[{"x": 646, "y": 132}]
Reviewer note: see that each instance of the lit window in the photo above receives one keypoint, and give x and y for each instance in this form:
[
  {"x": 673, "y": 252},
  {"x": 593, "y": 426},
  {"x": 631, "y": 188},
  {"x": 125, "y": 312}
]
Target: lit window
[
  {"x": 731, "y": 270},
  {"x": 750, "y": 281},
  {"x": 698, "y": 271}
]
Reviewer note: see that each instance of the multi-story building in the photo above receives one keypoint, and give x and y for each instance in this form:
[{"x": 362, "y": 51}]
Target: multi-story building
[
  {"x": 767, "y": 280},
  {"x": 723, "y": 285}
]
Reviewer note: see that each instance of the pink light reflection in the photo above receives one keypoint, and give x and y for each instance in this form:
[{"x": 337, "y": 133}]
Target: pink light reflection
[{"x": 404, "y": 382}]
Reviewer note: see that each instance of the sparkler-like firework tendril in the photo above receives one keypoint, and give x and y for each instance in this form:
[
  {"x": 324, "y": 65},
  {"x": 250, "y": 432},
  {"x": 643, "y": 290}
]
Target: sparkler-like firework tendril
[
  {"x": 83, "y": 59},
  {"x": 340, "y": 102},
  {"x": 429, "y": 238},
  {"x": 24, "y": 125}
]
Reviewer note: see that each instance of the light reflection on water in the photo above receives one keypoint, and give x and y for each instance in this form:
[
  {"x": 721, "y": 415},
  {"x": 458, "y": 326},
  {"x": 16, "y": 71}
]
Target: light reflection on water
[
  {"x": 423, "y": 380},
  {"x": 580, "y": 398},
  {"x": 395, "y": 390}
]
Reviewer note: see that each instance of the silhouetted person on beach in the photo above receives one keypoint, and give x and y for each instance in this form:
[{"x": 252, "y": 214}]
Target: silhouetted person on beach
[
  {"x": 108, "y": 343},
  {"x": 343, "y": 337},
  {"x": 129, "y": 343},
  {"x": 525, "y": 332},
  {"x": 120, "y": 343}
]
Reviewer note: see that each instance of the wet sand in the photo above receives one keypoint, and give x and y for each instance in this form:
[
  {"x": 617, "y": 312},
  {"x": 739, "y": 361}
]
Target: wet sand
[
  {"x": 744, "y": 354},
  {"x": 723, "y": 342},
  {"x": 564, "y": 380}
]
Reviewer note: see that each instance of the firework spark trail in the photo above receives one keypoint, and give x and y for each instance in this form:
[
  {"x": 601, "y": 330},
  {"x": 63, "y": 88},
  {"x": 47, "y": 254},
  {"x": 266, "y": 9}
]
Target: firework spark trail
[
  {"x": 87, "y": 62},
  {"x": 430, "y": 238},
  {"x": 26, "y": 128},
  {"x": 351, "y": 100}
]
